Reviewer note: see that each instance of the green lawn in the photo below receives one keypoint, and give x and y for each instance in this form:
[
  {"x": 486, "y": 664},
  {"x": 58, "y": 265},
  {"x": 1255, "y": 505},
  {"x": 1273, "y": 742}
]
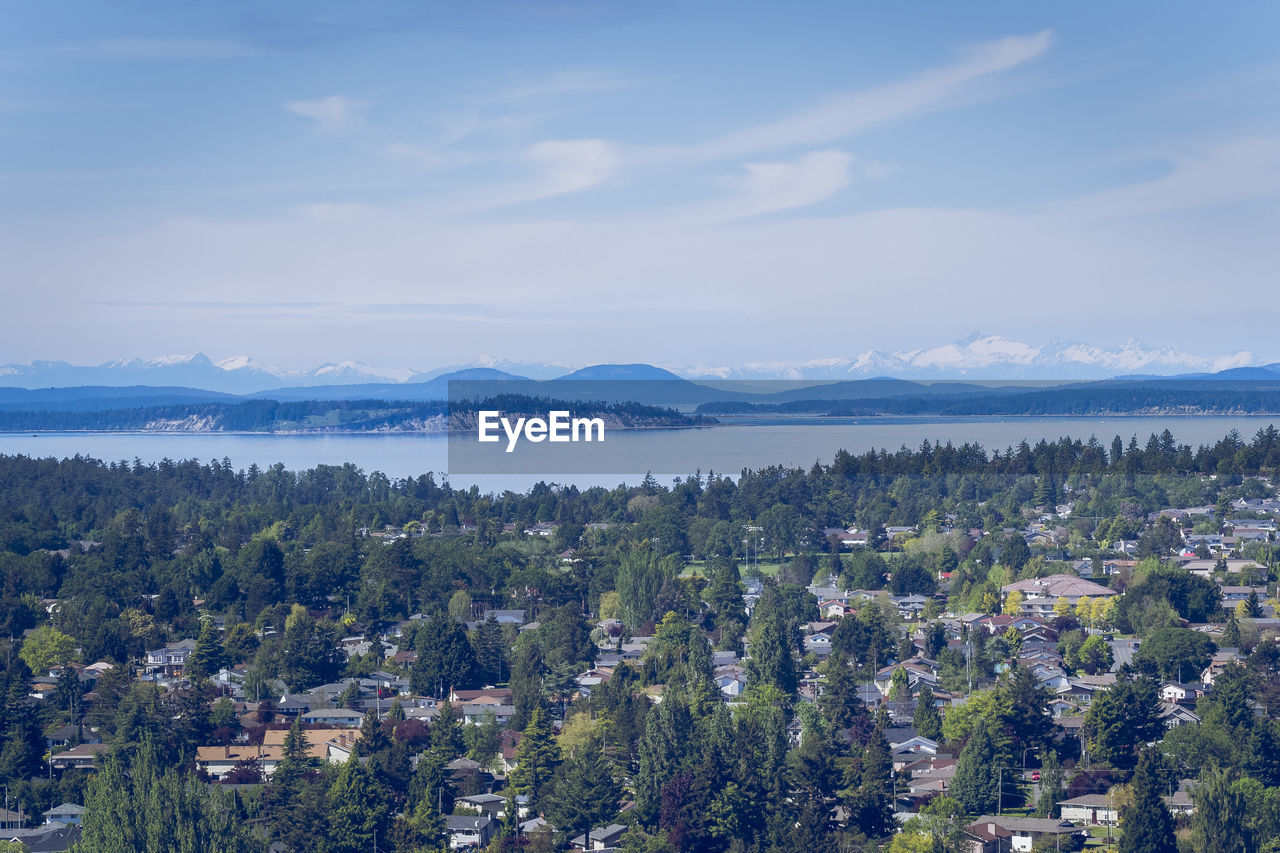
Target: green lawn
[{"x": 699, "y": 567}]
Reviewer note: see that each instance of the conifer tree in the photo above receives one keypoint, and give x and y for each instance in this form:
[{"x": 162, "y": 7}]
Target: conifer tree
[
  {"x": 537, "y": 757},
  {"x": 358, "y": 810},
  {"x": 926, "y": 720},
  {"x": 976, "y": 783},
  {"x": 1146, "y": 826},
  {"x": 873, "y": 801},
  {"x": 208, "y": 656},
  {"x": 585, "y": 792}
]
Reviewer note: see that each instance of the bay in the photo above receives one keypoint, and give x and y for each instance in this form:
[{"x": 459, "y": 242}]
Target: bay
[{"x": 739, "y": 443}]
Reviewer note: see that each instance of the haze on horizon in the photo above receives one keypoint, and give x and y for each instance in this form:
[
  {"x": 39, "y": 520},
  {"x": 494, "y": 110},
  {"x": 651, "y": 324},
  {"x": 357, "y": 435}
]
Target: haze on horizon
[{"x": 581, "y": 182}]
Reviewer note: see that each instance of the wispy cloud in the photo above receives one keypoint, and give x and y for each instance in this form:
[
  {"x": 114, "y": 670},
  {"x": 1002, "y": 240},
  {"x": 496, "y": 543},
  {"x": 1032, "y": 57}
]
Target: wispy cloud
[
  {"x": 570, "y": 165},
  {"x": 335, "y": 115},
  {"x": 856, "y": 112},
  {"x": 775, "y": 186},
  {"x": 1229, "y": 171}
]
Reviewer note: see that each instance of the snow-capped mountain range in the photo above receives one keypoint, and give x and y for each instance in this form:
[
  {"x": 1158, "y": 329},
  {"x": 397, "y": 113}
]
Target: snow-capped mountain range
[
  {"x": 975, "y": 357},
  {"x": 989, "y": 357}
]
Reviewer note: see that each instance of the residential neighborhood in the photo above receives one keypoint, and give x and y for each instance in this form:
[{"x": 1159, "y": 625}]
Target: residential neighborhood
[{"x": 990, "y": 683}]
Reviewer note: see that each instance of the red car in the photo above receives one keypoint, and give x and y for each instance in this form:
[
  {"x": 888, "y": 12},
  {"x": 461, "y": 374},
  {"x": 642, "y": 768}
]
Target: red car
[{"x": 1035, "y": 775}]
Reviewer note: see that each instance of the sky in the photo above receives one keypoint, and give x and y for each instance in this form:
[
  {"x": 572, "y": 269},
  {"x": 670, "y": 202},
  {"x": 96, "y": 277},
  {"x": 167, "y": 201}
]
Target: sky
[{"x": 429, "y": 183}]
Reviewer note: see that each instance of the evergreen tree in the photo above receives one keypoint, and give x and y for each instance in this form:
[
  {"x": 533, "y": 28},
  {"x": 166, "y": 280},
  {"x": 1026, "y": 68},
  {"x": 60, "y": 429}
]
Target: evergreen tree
[
  {"x": 445, "y": 657},
  {"x": 772, "y": 661},
  {"x": 1120, "y": 719},
  {"x": 309, "y": 654},
  {"x": 537, "y": 757},
  {"x": 664, "y": 751},
  {"x": 976, "y": 785},
  {"x": 358, "y": 812},
  {"x": 585, "y": 792},
  {"x": 1052, "y": 789},
  {"x": 135, "y": 802},
  {"x": 208, "y": 656},
  {"x": 526, "y": 683},
  {"x": 926, "y": 720},
  {"x": 21, "y": 751},
  {"x": 1219, "y": 823},
  {"x": 1025, "y": 717},
  {"x": 1146, "y": 826},
  {"x": 812, "y": 831},
  {"x": 432, "y": 783},
  {"x": 286, "y": 799},
  {"x": 446, "y": 734},
  {"x": 839, "y": 701},
  {"x": 490, "y": 651},
  {"x": 873, "y": 806},
  {"x": 1231, "y": 633}
]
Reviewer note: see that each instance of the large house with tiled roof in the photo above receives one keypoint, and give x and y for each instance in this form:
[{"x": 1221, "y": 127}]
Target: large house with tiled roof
[{"x": 1040, "y": 595}]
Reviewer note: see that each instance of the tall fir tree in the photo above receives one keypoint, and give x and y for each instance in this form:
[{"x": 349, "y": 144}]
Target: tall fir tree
[
  {"x": 585, "y": 792},
  {"x": 926, "y": 720},
  {"x": 537, "y": 757},
  {"x": 208, "y": 657},
  {"x": 1146, "y": 826},
  {"x": 1052, "y": 789},
  {"x": 359, "y": 810},
  {"x": 976, "y": 785},
  {"x": 1220, "y": 822},
  {"x": 873, "y": 803}
]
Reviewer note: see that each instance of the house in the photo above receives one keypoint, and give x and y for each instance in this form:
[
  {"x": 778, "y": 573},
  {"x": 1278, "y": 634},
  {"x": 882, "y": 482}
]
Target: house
[
  {"x": 327, "y": 746},
  {"x": 731, "y": 680},
  {"x": 1175, "y": 715},
  {"x": 601, "y": 838},
  {"x": 485, "y": 804},
  {"x": 991, "y": 833},
  {"x": 594, "y": 677},
  {"x": 1040, "y": 595},
  {"x": 468, "y": 830},
  {"x": 70, "y": 736},
  {"x": 1233, "y": 594},
  {"x": 1175, "y": 691},
  {"x": 67, "y": 813},
  {"x": 918, "y": 670},
  {"x": 487, "y": 696},
  {"x": 1091, "y": 809},
  {"x": 333, "y": 718},
  {"x": 1180, "y": 802},
  {"x": 504, "y": 617},
  {"x": 50, "y": 838},
  {"x": 11, "y": 820},
  {"x": 477, "y": 713},
  {"x": 171, "y": 659},
  {"x": 818, "y": 644},
  {"x": 80, "y": 757}
]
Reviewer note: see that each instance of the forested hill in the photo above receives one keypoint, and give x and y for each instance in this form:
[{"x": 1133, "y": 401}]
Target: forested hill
[
  {"x": 1109, "y": 398},
  {"x": 330, "y": 416}
]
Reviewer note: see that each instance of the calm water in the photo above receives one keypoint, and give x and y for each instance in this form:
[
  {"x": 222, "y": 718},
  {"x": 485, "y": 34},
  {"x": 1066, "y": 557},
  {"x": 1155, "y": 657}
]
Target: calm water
[{"x": 749, "y": 443}]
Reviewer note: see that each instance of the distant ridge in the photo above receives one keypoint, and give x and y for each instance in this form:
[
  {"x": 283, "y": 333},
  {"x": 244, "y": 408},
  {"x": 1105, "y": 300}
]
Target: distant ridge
[{"x": 627, "y": 372}]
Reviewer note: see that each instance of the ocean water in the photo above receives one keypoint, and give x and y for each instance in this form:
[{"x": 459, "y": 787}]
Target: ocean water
[{"x": 625, "y": 457}]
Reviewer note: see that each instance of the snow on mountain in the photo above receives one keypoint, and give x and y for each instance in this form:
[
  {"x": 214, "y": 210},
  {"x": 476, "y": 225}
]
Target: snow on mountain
[
  {"x": 244, "y": 362},
  {"x": 987, "y": 356},
  {"x": 357, "y": 371},
  {"x": 975, "y": 357}
]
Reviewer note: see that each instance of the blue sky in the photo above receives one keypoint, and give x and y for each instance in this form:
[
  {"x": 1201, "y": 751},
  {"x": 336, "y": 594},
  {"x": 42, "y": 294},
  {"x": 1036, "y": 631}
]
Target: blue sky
[{"x": 708, "y": 183}]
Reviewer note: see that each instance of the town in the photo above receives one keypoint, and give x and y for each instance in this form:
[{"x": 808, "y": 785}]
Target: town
[{"x": 1061, "y": 647}]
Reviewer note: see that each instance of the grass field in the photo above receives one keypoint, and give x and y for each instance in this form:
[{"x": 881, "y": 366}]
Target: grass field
[{"x": 699, "y": 567}]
